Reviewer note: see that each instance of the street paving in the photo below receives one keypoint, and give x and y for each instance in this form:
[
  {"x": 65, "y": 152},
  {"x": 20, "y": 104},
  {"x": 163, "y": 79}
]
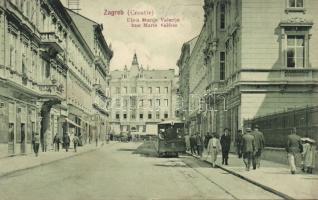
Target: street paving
[{"x": 127, "y": 171}]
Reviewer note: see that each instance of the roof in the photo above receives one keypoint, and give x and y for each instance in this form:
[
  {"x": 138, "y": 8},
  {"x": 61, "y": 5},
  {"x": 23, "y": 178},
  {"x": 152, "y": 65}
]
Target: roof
[
  {"x": 85, "y": 26},
  {"x": 171, "y": 122},
  {"x": 192, "y": 43},
  {"x": 148, "y": 74}
]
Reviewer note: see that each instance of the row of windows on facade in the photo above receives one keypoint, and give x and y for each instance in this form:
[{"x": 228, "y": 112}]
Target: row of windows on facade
[
  {"x": 133, "y": 129},
  {"x": 294, "y": 52},
  {"x": 32, "y": 58},
  {"x": 291, "y": 4},
  {"x": 141, "y": 90},
  {"x": 141, "y": 116},
  {"x": 141, "y": 102}
]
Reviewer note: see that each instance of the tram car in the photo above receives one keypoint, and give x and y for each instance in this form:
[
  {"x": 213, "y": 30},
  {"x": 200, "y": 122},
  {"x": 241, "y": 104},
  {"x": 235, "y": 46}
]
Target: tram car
[
  {"x": 171, "y": 140},
  {"x": 276, "y": 127}
]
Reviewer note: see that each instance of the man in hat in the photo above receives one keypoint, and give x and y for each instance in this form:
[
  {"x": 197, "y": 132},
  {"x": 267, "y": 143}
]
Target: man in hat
[
  {"x": 259, "y": 146},
  {"x": 248, "y": 147},
  {"x": 226, "y": 144},
  {"x": 293, "y": 148}
]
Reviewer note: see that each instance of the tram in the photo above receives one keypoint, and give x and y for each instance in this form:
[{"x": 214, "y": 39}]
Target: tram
[{"x": 171, "y": 140}]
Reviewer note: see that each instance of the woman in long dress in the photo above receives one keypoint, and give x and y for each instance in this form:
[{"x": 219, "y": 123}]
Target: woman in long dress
[
  {"x": 308, "y": 155},
  {"x": 214, "y": 147}
]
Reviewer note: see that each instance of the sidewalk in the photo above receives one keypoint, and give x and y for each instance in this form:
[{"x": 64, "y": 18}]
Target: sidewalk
[
  {"x": 13, "y": 164},
  {"x": 273, "y": 177}
]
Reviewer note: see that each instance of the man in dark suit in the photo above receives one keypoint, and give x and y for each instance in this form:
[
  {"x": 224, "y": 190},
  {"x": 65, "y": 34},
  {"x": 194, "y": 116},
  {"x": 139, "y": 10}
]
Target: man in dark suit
[
  {"x": 226, "y": 144},
  {"x": 193, "y": 145},
  {"x": 248, "y": 148},
  {"x": 259, "y": 146},
  {"x": 293, "y": 148}
]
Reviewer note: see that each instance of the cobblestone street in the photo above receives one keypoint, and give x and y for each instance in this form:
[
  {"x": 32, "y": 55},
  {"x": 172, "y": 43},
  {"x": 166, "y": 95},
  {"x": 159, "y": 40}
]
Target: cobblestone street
[{"x": 124, "y": 171}]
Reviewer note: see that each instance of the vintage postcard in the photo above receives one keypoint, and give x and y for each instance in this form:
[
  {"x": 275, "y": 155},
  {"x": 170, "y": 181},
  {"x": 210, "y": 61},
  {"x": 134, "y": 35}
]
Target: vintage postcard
[{"x": 158, "y": 99}]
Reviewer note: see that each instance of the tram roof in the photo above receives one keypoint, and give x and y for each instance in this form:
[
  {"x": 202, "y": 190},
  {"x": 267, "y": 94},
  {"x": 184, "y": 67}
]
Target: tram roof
[{"x": 171, "y": 122}]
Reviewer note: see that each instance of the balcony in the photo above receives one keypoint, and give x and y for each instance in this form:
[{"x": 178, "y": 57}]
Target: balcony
[
  {"x": 100, "y": 104},
  {"x": 51, "y": 42},
  {"x": 99, "y": 62},
  {"x": 100, "y": 90},
  {"x": 52, "y": 91}
]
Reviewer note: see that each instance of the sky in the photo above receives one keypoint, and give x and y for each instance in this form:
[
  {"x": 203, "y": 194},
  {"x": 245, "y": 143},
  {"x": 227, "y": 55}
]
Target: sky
[{"x": 156, "y": 48}]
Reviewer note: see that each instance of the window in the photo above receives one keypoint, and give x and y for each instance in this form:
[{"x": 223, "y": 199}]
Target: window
[
  {"x": 141, "y": 103},
  {"x": 150, "y": 102},
  {"x": 157, "y": 115},
  {"x": 150, "y": 90},
  {"x": 222, "y": 65},
  {"x": 47, "y": 69},
  {"x": 141, "y": 116},
  {"x": 125, "y": 103},
  {"x": 222, "y": 17},
  {"x": 133, "y": 116},
  {"x": 133, "y": 102},
  {"x": 166, "y": 102},
  {"x": 158, "y": 90},
  {"x": 125, "y": 90},
  {"x": 157, "y": 102},
  {"x": 117, "y": 116},
  {"x": 295, "y": 3},
  {"x": 133, "y": 90},
  {"x": 166, "y": 90},
  {"x": 166, "y": 115},
  {"x": 125, "y": 116},
  {"x": 118, "y": 102},
  {"x": 117, "y": 90},
  {"x": 141, "y": 89},
  {"x": 295, "y": 51},
  {"x": 149, "y": 116}
]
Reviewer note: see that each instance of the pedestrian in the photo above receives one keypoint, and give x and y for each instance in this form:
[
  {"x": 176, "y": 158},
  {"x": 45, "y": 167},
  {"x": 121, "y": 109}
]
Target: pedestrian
[
  {"x": 187, "y": 142},
  {"x": 56, "y": 142},
  {"x": 207, "y": 139},
  {"x": 308, "y": 155},
  {"x": 36, "y": 142},
  {"x": 199, "y": 144},
  {"x": 239, "y": 142},
  {"x": 213, "y": 148},
  {"x": 259, "y": 146},
  {"x": 293, "y": 148},
  {"x": 248, "y": 148},
  {"x": 66, "y": 142},
  {"x": 193, "y": 145},
  {"x": 226, "y": 144},
  {"x": 75, "y": 142}
]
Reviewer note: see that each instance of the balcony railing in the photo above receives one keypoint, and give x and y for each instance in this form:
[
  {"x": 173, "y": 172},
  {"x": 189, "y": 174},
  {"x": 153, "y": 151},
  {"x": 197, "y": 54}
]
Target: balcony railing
[
  {"x": 50, "y": 91},
  {"x": 51, "y": 41}
]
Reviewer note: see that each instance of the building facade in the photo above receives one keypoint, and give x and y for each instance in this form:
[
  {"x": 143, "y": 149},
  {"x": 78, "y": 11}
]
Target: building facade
[
  {"x": 141, "y": 98},
  {"x": 259, "y": 59},
  {"x": 46, "y": 73}
]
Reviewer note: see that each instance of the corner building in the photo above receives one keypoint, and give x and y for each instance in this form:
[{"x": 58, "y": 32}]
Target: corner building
[
  {"x": 142, "y": 98},
  {"x": 259, "y": 57}
]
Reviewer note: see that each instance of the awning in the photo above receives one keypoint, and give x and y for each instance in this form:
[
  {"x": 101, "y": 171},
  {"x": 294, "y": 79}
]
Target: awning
[{"x": 72, "y": 123}]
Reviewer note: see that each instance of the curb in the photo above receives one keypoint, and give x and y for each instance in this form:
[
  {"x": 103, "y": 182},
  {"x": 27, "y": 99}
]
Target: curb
[
  {"x": 269, "y": 189},
  {"x": 45, "y": 163}
]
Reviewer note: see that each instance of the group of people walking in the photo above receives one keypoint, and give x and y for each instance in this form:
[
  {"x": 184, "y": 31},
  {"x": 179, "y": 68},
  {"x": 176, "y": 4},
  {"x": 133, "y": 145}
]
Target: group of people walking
[
  {"x": 250, "y": 147},
  {"x": 303, "y": 147},
  {"x": 58, "y": 141}
]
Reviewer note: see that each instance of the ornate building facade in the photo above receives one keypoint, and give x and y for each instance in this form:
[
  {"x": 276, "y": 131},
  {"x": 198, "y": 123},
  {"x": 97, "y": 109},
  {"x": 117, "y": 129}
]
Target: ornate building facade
[
  {"x": 142, "y": 98},
  {"x": 257, "y": 58},
  {"x": 47, "y": 74}
]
